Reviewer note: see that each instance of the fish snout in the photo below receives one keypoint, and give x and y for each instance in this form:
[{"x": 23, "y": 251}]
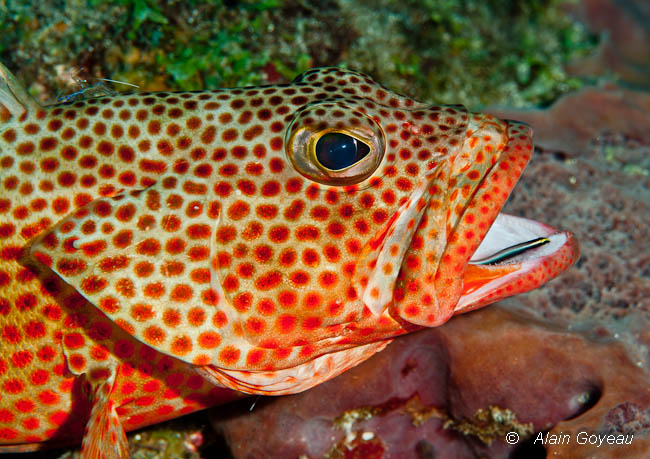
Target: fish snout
[{"x": 465, "y": 192}]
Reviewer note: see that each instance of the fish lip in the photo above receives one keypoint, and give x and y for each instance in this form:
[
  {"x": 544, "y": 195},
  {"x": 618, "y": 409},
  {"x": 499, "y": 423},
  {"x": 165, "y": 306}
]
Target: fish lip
[
  {"x": 546, "y": 261},
  {"x": 432, "y": 281}
]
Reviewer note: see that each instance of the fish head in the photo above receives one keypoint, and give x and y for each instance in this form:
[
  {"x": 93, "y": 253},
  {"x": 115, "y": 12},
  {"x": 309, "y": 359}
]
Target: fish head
[
  {"x": 329, "y": 216},
  {"x": 373, "y": 218}
]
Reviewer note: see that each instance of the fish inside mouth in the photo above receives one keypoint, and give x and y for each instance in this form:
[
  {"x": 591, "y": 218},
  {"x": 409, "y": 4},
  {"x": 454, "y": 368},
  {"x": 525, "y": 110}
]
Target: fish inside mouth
[
  {"x": 516, "y": 255},
  {"x": 513, "y": 239}
]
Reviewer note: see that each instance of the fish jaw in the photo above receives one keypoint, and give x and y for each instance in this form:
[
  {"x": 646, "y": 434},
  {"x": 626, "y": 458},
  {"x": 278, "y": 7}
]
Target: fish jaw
[
  {"x": 507, "y": 147},
  {"x": 479, "y": 228},
  {"x": 485, "y": 284},
  {"x": 446, "y": 219}
]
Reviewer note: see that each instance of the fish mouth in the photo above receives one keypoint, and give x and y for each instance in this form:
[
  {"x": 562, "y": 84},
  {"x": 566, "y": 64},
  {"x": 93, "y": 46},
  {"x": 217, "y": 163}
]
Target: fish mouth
[
  {"x": 513, "y": 254},
  {"x": 454, "y": 251},
  {"x": 516, "y": 255},
  {"x": 452, "y": 231}
]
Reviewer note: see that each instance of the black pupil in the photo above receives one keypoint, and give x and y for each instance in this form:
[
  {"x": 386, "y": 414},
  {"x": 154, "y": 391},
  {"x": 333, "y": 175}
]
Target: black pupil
[{"x": 337, "y": 151}]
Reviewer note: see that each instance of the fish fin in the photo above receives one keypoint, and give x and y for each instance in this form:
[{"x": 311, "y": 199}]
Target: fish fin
[
  {"x": 153, "y": 260},
  {"x": 338, "y": 76},
  {"x": 13, "y": 96},
  {"x": 104, "y": 437},
  {"x": 295, "y": 379}
]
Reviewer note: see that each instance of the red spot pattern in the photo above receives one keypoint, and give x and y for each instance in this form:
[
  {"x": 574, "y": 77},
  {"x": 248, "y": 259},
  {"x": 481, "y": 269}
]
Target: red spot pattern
[{"x": 221, "y": 199}]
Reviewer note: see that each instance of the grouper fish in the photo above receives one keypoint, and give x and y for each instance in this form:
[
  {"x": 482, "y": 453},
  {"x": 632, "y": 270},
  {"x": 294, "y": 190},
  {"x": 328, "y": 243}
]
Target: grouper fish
[{"x": 163, "y": 252}]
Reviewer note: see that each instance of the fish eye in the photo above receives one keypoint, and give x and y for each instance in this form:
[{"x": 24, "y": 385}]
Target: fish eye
[
  {"x": 337, "y": 151},
  {"x": 333, "y": 143}
]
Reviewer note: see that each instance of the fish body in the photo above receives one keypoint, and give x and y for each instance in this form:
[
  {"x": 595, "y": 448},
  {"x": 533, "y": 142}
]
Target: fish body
[{"x": 165, "y": 252}]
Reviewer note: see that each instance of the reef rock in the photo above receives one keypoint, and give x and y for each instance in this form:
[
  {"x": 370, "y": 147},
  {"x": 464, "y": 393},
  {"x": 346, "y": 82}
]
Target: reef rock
[
  {"x": 577, "y": 119},
  {"x": 624, "y": 31},
  {"x": 592, "y": 176}
]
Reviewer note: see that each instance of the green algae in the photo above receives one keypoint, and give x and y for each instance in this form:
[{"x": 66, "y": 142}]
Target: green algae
[{"x": 472, "y": 52}]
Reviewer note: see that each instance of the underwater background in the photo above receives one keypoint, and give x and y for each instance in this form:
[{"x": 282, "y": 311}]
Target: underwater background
[{"x": 571, "y": 355}]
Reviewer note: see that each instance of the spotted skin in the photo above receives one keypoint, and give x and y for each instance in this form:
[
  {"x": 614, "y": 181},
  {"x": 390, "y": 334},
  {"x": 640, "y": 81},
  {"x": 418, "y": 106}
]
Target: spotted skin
[{"x": 158, "y": 250}]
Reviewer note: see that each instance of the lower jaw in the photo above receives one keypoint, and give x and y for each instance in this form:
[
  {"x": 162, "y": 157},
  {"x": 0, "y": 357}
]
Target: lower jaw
[{"x": 525, "y": 271}]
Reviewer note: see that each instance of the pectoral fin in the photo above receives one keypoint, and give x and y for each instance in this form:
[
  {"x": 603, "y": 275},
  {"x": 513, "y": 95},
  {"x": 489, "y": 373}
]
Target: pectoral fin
[
  {"x": 379, "y": 265},
  {"x": 145, "y": 258}
]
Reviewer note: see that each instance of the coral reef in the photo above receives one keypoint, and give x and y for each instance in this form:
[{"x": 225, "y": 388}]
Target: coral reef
[
  {"x": 474, "y": 53},
  {"x": 470, "y": 52}
]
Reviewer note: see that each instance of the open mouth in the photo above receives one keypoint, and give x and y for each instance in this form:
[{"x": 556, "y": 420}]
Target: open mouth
[
  {"x": 516, "y": 255},
  {"x": 436, "y": 259}
]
